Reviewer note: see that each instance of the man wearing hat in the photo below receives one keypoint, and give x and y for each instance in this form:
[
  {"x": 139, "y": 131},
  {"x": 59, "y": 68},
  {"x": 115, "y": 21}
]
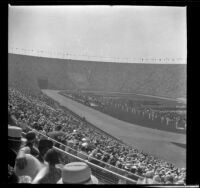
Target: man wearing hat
[
  {"x": 12, "y": 120},
  {"x": 83, "y": 152},
  {"x": 14, "y": 142},
  {"x": 77, "y": 173},
  {"x": 24, "y": 164},
  {"x": 133, "y": 169}
]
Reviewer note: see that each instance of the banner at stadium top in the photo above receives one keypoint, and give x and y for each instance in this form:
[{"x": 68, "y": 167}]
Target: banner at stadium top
[{"x": 65, "y": 55}]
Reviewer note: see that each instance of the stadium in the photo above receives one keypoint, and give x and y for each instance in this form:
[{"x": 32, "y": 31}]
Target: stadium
[
  {"x": 79, "y": 121},
  {"x": 163, "y": 141}
]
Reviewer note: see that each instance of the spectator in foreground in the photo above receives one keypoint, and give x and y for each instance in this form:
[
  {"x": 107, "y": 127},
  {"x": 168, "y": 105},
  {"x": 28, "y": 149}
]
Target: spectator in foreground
[
  {"x": 14, "y": 143},
  {"x": 12, "y": 177},
  {"x": 31, "y": 168},
  {"x": 77, "y": 173},
  {"x": 51, "y": 174}
]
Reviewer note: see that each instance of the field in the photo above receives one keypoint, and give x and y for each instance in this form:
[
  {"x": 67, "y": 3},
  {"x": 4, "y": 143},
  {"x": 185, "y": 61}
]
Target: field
[{"x": 166, "y": 145}]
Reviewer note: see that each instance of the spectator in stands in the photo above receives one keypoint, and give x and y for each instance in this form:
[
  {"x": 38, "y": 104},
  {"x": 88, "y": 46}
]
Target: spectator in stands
[
  {"x": 106, "y": 158},
  {"x": 43, "y": 146},
  {"x": 11, "y": 120},
  {"x": 83, "y": 152},
  {"x": 77, "y": 173},
  {"x": 14, "y": 142},
  {"x": 31, "y": 139},
  {"x": 33, "y": 109},
  {"x": 50, "y": 174}
]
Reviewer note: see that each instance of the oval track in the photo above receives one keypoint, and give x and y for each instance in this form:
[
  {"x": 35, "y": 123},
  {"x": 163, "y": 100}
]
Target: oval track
[{"x": 149, "y": 140}]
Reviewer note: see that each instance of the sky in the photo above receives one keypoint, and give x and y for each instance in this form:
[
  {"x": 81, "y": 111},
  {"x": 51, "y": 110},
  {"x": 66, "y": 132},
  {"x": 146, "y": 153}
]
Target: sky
[{"x": 104, "y": 33}]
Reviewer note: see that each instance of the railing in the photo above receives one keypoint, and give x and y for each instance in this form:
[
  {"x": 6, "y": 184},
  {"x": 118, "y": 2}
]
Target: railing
[{"x": 106, "y": 173}]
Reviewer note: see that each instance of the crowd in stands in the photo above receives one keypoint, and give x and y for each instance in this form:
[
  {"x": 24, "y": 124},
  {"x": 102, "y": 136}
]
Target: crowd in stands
[
  {"x": 26, "y": 164},
  {"x": 34, "y": 160},
  {"x": 142, "y": 112}
]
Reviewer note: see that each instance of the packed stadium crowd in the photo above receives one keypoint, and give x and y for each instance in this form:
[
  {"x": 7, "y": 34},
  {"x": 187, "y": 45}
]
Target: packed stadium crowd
[
  {"x": 142, "y": 113},
  {"x": 34, "y": 159}
]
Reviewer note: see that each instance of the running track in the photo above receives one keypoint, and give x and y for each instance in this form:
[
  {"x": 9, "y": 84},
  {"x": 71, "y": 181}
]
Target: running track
[{"x": 156, "y": 142}]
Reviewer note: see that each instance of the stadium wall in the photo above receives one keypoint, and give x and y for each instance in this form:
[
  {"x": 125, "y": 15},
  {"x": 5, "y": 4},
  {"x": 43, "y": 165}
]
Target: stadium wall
[{"x": 167, "y": 80}]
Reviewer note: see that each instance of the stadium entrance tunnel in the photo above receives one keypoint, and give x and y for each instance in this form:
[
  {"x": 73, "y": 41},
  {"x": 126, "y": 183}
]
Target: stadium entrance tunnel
[{"x": 43, "y": 83}]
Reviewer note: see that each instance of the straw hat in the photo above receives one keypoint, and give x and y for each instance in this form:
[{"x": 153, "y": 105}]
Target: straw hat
[
  {"x": 15, "y": 134},
  {"x": 85, "y": 144},
  {"x": 128, "y": 165},
  {"x": 70, "y": 143},
  {"x": 77, "y": 173},
  {"x": 156, "y": 179},
  {"x": 74, "y": 131},
  {"x": 84, "y": 139},
  {"x": 149, "y": 174},
  {"x": 31, "y": 169}
]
